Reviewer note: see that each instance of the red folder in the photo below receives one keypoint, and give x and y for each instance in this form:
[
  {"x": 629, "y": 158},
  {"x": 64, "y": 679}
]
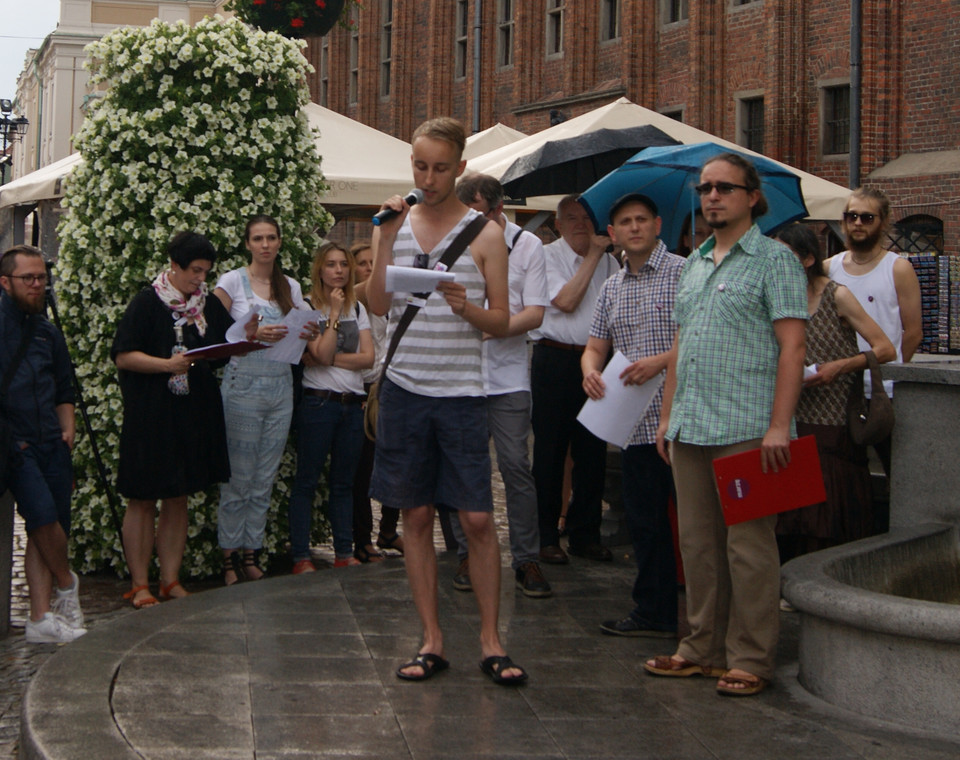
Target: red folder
[
  {"x": 224, "y": 350},
  {"x": 746, "y": 493}
]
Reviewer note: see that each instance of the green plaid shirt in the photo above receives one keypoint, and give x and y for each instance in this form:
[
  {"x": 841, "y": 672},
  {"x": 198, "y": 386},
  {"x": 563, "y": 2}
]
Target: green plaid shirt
[{"x": 728, "y": 352}]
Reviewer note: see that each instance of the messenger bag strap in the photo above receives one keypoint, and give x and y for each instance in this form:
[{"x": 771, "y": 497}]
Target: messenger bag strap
[{"x": 457, "y": 247}]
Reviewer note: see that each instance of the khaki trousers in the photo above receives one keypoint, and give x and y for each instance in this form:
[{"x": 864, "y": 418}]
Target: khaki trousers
[{"x": 732, "y": 573}]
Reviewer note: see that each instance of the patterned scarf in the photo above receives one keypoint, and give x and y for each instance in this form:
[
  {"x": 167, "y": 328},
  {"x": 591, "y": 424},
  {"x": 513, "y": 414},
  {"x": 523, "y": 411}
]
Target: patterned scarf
[{"x": 191, "y": 308}]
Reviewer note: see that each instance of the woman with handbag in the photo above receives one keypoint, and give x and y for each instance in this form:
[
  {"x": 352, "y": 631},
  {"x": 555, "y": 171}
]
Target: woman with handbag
[
  {"x": 329, "y": 419},
  {"x": 257, "y": 399},
  {"x": 173, "y": 441},
  {"x": 834, "y": 365}
]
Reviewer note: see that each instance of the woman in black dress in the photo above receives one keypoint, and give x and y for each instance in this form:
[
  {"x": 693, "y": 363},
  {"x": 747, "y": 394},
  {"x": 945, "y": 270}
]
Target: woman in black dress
[{"x": 173, "y": 441}]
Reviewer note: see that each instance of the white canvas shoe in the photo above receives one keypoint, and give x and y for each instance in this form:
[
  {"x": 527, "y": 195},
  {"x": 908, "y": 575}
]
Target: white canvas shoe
[
  {"x": 67, "y": 603},
  {"x": 52, "y": 629}
]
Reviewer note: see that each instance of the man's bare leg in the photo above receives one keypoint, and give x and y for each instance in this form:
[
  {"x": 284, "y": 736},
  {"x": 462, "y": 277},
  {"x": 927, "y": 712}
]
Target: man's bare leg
[
  {"x": 484, "y": 552},
  {"x": 420, "y": 559},
  {"x": 44, "y": 562}
]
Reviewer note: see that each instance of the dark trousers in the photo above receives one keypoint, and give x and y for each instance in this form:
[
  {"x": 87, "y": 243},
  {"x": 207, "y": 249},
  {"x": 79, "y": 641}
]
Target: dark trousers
[
  {"x": 647, "y": 487},
  {"x": 362, "y": 508},
  {"x": 556, "y": 384}
]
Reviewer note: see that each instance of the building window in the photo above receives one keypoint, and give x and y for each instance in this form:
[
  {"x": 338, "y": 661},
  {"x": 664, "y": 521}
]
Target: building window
[
  {"x": 354, "y": 83},
  {"x": 555, "y": 11},
  {"x": 920, "y": 233},
  {"x": 505, "y": 33},
  {"x": 751, "y": 124},
  {"x": 744, "y": 2},
  {"x": 460, "y": 41},
  {"x": 386, "y": 46},
  {"x": 675, "y": 113},
  {"x": 609, "y": 20},
  {"x": 324, "y": 72},
  {"x": 674, "y": 10},
  {"x": 836, "y": 120}
]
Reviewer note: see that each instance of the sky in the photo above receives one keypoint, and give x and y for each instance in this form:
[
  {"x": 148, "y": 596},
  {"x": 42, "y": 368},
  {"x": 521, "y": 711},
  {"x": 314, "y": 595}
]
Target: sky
[{"x": 25, "y": 24}]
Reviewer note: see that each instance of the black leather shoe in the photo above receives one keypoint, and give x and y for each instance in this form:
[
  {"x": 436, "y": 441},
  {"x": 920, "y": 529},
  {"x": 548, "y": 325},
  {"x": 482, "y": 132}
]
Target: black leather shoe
[
  {"x": 591, "y": 551},
  {"x": 461, "y": 581}
]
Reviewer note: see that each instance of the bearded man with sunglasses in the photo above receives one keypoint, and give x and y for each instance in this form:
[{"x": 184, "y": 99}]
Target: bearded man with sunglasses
[
  {"x": 884, "y": 283},
  {"x": 733, "y": 380}
]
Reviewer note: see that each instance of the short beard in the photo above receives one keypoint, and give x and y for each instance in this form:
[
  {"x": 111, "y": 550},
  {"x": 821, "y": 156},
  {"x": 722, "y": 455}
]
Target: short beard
[
  {"x": 29, "y": 308},
  {"x": 867, "y": 244},
  {"x": 717, "y": 224}
]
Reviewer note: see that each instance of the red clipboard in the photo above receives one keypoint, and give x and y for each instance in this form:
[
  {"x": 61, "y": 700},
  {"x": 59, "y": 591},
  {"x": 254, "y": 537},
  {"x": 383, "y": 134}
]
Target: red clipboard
[{"x": 746, "y": 493}]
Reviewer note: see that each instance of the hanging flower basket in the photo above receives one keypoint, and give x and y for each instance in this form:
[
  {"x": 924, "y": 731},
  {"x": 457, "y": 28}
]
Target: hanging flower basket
[{"x": 293, "y": 18}]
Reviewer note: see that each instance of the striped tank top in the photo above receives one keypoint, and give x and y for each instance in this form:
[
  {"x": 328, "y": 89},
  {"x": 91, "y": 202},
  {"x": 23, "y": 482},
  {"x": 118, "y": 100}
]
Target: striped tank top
[{"x": 440, "y": 355}]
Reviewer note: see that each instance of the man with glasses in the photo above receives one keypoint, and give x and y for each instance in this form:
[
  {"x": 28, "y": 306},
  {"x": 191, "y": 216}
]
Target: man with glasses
[
  {"x": 884, "y": 283},
  {"x": 577, "y": 266},
  {"x": 507, "y": 381},
  {"x": 432, "y": 438},
  {"x": 733, "y": 380},
  {"x": 39, "y": 410}
]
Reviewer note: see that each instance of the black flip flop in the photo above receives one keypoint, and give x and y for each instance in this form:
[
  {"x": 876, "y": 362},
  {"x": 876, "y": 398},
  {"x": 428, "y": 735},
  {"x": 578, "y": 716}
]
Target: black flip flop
[
  {"x": 494, "y": 666},
  {"x": 430, "y": 664}
]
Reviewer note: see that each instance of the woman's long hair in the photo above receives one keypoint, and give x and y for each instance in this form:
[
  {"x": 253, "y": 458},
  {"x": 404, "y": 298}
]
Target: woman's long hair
[
  {"x": 317, "y": 297},
  {"x": 279, "y": 286}
]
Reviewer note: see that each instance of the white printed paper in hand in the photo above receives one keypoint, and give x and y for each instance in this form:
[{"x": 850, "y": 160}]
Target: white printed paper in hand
[
  {"x": 238, "y": 330},
  {"x": 290, "y": 348},
  {"x": 614, "y": 417},
  {"x": 414, "y": 280}
]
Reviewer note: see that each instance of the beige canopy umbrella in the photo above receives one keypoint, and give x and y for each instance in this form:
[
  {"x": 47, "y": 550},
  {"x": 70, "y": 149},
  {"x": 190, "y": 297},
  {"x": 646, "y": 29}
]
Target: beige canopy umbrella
[
  {"x": 825, "y": 200},
  {"x": 491, "y": 138},
  {"x": 362, "y": 165}
]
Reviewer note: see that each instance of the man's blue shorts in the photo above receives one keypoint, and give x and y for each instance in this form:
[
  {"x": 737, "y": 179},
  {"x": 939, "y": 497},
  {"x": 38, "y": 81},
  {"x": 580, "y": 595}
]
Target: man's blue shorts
[
  {"x": 431, "y": 451},
  {"x": 41, "y": 481}
]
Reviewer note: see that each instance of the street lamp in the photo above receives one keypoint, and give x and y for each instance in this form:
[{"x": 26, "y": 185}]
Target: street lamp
[{"x": 12, "y": 129}]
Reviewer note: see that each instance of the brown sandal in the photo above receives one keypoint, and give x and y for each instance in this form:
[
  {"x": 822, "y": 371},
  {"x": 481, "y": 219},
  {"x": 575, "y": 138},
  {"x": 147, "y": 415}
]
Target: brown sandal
[
  {"x": 165, "y": 594},
  {"x": 748, "y": 686},
  {"x": 666, "y": 665},
  {"x": 144, "y": 601}
]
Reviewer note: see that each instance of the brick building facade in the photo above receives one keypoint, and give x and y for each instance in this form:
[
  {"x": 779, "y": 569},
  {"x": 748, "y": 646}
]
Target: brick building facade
[{"x": 770, "y": 74}]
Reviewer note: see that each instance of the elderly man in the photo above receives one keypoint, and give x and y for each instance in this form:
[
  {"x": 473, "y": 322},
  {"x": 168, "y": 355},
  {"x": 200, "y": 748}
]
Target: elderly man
[
  {"x": 577, "y": 266},
  {"x": 733, "y": 380},
  {"x": 38, "y": 404}
]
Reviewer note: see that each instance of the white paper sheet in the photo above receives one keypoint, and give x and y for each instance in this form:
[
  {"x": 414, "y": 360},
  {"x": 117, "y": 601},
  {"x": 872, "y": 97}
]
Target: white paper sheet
[
  {"x": 238, "y": 330},
  {"x": 413, "y": 280},
  {"x": 614, "y": 417},
  {"x": 291, "y": 347}
]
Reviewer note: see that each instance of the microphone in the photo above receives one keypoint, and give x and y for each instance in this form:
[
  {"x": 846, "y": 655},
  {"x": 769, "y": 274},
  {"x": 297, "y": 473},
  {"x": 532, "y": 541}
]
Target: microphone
[{"x": 412, "y": 198}]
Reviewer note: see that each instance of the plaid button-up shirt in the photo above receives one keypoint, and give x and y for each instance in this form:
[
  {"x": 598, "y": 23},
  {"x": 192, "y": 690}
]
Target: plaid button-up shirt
[
  {"x": 635, "y": 312},
  {"x": 728, "y": 352}
]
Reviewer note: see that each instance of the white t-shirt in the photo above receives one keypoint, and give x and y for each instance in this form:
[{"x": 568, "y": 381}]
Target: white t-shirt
[
  {"x": 232, "y": 284},
  {"x": 338, "y": 379},
  {"x": 505, "y": 364},
  {"x": 562, "y": 265}
]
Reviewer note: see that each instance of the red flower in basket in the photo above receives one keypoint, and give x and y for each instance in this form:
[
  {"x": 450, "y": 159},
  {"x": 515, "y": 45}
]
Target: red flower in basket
[
  {"x": 322, "y": 4},
  {"x": 296, "y": 23}
]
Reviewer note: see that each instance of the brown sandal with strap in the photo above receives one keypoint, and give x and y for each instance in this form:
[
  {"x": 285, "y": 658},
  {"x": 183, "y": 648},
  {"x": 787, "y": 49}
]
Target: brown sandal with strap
[
  {"x": 144, "y": 601},
  {"x": 740, "y": 686},
  {"x": 666, "y": 665},
  {"x": 165, "y": 594}
]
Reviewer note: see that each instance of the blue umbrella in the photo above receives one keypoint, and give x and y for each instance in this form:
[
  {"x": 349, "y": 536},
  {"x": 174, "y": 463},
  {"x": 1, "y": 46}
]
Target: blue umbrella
[{"x": 668, "y": 175}]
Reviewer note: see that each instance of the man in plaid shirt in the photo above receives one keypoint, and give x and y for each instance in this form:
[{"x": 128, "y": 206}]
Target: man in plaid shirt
[
  {"x": 634, "y": 315},
  {"x": 733, "y": 381}
]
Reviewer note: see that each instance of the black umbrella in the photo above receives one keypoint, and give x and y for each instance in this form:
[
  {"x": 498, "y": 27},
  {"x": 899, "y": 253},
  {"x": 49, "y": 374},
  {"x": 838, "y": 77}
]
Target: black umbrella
[{"x": 571, "y": 165}]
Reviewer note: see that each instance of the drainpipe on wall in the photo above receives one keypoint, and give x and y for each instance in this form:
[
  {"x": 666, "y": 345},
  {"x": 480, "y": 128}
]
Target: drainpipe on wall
[
  {"x": 477, "y": 18},
  {"x": 39, "y": 128},
  {"x": 856, "y": 59}
]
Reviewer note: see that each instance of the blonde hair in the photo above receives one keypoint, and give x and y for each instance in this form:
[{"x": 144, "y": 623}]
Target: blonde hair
[
  {"x": 444, "y": 128},
  {"x": 317, "y": 298}
]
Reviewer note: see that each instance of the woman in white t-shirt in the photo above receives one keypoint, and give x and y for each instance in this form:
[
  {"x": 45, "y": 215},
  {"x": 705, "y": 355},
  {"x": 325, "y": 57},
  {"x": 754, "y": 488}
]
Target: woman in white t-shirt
[
  {"x": 329, "y": 418},
  {"x": 257, "y": 400}
]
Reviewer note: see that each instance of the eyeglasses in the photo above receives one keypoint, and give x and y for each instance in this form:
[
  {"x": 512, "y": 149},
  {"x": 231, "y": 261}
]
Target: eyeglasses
[
  {"x": 852, "y": 216},
  {"x": 30, "y": 279},
  {"x": 724, "y": 188}
]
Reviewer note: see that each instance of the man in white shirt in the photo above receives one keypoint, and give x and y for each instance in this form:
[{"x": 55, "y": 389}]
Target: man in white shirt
[
  {"x": 507, "y": 382},
  {"x": 577, "y": 266}
]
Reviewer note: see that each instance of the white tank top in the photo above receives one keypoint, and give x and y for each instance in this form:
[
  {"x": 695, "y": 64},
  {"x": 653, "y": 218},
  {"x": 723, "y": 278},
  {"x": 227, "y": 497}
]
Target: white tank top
[{"x": 877, "y": 293}]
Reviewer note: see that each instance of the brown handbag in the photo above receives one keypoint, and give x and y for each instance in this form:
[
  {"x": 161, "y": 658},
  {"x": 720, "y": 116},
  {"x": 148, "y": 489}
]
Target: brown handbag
[{"x": 870, "y": 420}]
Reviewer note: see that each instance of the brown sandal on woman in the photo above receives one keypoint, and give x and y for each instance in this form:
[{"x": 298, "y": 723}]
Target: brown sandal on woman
[
  {"x": 165, "y": 594},
  {"x": 144, "y": 601}
]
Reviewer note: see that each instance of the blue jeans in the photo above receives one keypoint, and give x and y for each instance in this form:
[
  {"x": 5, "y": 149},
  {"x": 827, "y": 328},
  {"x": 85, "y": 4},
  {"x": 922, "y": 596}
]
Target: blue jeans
[
  {"x": 647, "y": 485},
  {"x": 257, "y": 408},
  {"x": 41, "y": 481},
  {"x": 325, "y": 427}
]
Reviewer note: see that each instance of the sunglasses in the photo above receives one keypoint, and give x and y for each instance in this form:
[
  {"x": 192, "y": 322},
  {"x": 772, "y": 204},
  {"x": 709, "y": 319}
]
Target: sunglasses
[
  {"x": 852, "y": 216},
  {"x": 724, "y": 188}
]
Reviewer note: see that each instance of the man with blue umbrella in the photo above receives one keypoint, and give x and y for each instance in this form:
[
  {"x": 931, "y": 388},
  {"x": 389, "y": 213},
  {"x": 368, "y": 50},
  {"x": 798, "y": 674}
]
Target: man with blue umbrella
[{"x": 733, "y": 380}]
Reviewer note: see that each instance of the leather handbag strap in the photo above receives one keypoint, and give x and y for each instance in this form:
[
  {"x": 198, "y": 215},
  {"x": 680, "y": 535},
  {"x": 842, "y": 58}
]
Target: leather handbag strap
[
  {"x": 876, "y": 378},
  {"x": 449, "y": 257}
]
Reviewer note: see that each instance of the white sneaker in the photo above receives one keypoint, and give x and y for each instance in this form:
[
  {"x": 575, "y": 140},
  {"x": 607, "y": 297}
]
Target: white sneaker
[
  {"x": 67, "y": 603},
  {"x": 52, "y": 629}
]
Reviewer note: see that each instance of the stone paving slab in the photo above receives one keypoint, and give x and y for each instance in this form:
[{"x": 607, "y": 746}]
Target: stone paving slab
[{"x": 303, "y": 667}]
